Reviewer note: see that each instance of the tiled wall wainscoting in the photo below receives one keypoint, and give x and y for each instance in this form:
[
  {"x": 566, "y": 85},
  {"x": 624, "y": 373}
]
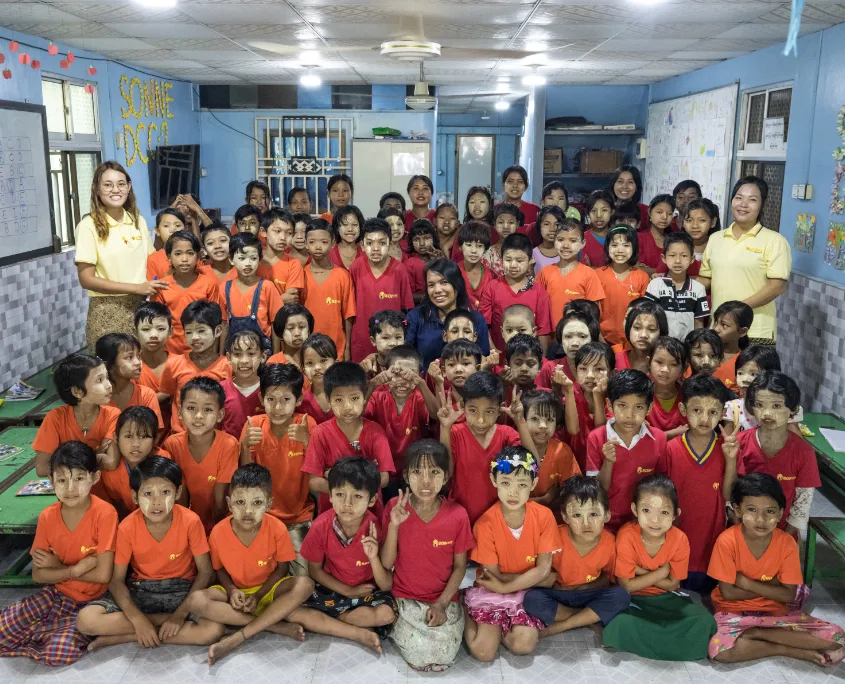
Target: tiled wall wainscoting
[
  {"x": 42, "y": 315},
  {"x": 811, "y": 341}
]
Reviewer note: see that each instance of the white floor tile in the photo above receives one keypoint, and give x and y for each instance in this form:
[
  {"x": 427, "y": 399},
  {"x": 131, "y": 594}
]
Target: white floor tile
[
  {"x": 345, "y": 662},
  {"x": 800, "y": 672},
  {"x": 625, "y": 668},
  {"x": 15, "y": 669},
  {"x": 106, "y": 665},
  {"x": 466, "y": 670},
  {"x": 742, "y": 673},
  {"x": 171, "y": 664},
  {"x": 269, "y": 658},
  {"x": 553, "y": 661}
]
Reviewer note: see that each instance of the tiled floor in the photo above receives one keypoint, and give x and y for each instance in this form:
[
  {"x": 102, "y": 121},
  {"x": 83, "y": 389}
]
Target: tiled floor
[{"x": 571, "y": 658}]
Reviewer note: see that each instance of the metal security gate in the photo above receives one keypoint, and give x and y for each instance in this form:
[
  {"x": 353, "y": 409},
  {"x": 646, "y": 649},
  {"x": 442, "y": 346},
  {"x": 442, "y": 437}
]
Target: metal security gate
[{"x": 302, "y": 151}]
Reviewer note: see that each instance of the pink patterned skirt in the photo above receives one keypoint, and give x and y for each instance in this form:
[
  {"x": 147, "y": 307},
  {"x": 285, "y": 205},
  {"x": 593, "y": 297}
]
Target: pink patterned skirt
[{"x": 503, "y": 610}]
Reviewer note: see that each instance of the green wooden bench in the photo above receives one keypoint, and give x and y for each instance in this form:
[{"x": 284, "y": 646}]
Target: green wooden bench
[
  {"x": 831, "y": 463},
  {"x": 21, "y": 412},
  {"x": 832, "y": 530},
  {"x": 19, "y": 515}
]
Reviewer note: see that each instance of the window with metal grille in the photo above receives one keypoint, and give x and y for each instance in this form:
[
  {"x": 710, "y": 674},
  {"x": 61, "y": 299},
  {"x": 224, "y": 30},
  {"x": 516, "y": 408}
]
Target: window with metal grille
[
  {"x": 772, "y": 173},
  {"x": 758, "y": 108},
  {"x": 352, "y": 96}
]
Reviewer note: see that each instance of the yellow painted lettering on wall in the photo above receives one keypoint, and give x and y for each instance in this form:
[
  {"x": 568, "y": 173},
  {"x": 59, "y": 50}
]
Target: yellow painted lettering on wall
[
  {"x": 127, "y": 134},
  {"x": 167, "y": 100},
  {"x": 152, "y": 127},
  {"x": 136, "y": 83},
  {"x": 127, "y": 110},
  {"x": 152, "y": 99}
]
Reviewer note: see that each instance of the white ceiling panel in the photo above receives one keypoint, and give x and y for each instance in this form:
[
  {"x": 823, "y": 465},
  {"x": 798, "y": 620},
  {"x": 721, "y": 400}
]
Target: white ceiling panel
[
  {"x": 26, "y": 12},
  {"x": 235, "y": 12},
  {"x": 163, "y": 30}
]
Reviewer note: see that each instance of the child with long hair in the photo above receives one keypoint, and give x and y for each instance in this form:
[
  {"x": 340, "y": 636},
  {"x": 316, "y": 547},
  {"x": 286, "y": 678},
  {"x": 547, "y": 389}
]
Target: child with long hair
[{"x": 731, "y": 322}]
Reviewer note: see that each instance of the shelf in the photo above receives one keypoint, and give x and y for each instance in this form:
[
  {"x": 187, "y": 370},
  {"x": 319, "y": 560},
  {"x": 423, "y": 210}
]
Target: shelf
[{"x": 602, "y": 131}]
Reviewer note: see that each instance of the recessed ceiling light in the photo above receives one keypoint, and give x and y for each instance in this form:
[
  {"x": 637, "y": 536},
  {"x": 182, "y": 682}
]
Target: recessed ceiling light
[
  {"x": 157, "y": 3},
  {"x": 504, "y": 79},
  {"x": 310, "y": 80},
  {"x": 533, "y": 79},
  {"x": 502, "y": 105},
  {"x": 309, "y": 58}
]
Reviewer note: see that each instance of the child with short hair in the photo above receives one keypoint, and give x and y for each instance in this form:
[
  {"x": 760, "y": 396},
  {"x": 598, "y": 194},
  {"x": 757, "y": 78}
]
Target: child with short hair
[
  {"x": 291, "y": 326},
  {"x": 423, "y": 248},
  {"x": 426, "y": 540},
  {"x": 668, "y": 363},
  {"x": 120, "y": 353},
  {"x": 347, "y": 432},
  {"x": 645, "y": 321},
  {"x": 473, "y": 241},
  {"x": 346, "y": 224},
  {"x": 299, "y": 200},
  {"x": 248, "y": 218},
  {"x": 599, "y": 205},
  {"x": 298, "y": 249},
  {"x": 203, "y": 325},
  {"x": 757, "y": 602},
  {"x": 625, "y": 450},
  {"x": 351, "y": 586},
  {"x": 387, "y": 331},
  {"x": 243, "y": 399},
  {"x": 459, "y": 325},
  {"x": 683, "y": 299},
  {"x": 153, "y": 325},
  {"x": 82, "y": 383},
  {"x": 395, "y": 218},
  {"x": 472, "y": 444},
  {"x": 207, "y": 456},
  {"x": 576, "y": 330},
  {"x": 555, "y": 460},
  {"x": 652, "y": 558},
  {"x": 447, "y": 222},
  {"x": 458, "y": 361},
  {"x": 318, "y": 354},
  {"x": 628, "y": 212},
  {"x": 277, "y": 440},
  {"x": 772, "y": 448},
  {"x": 515, "y": 539},
  {"x": 555, "y": 194},
  {"x": 250, "y": 552},
  {"x": 548, "y": 221},
  {"x": 700, "y": 221},
  {"x": 731, "y": 321},
  {"x": 705, "y": 350},
  {"x": 696, "y": 463},
  {"x": 215, "y": 243},
  {"x": 393, "y": 200},
  {"x": 72, "y": 555},
  {"x": 328, "y": 289},
  {"x": 161, "y": 559},
  {"x": 185, "y": 286},
  {"x": 249, "y": 304},
  {"x": 506, "y": 219},
  {"x": 621, "y": 281},
  {"x": 516, "y": 287},
  {"x": 277, "y": 266},
  {"x": 580, "y": 592},
  {"x": 568, "y": 279},
  {"x": 168, "y": 221},
  {"x": 523, "y": 361},
  {"x": 661, "y": 211},
  {"x": 381, "y": 282}
]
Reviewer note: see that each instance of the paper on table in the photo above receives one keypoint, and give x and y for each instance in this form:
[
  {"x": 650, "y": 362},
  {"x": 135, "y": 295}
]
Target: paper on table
[{"x": 836, "y": 438}]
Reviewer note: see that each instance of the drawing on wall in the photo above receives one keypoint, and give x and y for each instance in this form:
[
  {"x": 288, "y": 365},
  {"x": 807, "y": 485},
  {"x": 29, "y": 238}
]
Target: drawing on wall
[
  {"x": 837, "y": 192},
  {"x": 805, "y": 230},
  {"x": 834, "y": 252}
]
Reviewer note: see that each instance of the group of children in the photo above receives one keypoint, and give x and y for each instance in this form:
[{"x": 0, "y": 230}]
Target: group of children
[{"x": 267, "y": 452}]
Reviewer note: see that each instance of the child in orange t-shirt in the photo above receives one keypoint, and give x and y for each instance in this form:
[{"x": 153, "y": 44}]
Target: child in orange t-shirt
[
  {"x": 203, "y": 323},
  {"x": 652, "y": 557},
  {"x": 215, "y": 241},
  {"x": 72, "y": 554},
  {"x": 277, "y": 440},
  {"x": 168, "y": 221},
  {"x": 580, "y": 591},
  {"x": 731, "y": 322},
  {"x": 185, "y": 285},
  {"x": 82, "y": 382},
  {"x": 516, "y": 539},
  {"x": 277, "y": 266},
  {"x": 207, "y": 456},
  {"x": 153, "y": 325},
  {"x": 162, "y": 551},
  {"x": 250, "y": 551},
  {"x": 291, "y": 326},
  {"x": 760, "y": 593}
]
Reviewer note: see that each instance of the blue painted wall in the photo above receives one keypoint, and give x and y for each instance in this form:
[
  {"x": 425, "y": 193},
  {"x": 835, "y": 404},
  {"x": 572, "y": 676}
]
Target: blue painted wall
[{"x": 818, "y": 76}]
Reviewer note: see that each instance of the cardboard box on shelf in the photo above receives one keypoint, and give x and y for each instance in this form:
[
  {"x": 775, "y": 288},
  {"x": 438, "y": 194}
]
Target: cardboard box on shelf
[
  {"x": 553, "y": 160},
  {"x": 600, "y": 161}
]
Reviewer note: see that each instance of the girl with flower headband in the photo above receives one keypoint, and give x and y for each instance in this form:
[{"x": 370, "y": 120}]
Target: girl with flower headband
[
  {"x": 515, "y": 540},
  {"x": 622, "y": 281}
]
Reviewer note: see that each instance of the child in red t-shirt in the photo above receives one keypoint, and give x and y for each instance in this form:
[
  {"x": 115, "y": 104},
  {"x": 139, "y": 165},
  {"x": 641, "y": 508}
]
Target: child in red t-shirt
[
  {"x": 448, "y": 374},
  {"x": 318, "y": 354},
  {"x": 760, "y": 586},
  {"x": 668, "y": 365},
  {"x": 599, "y": 207},
  {"x": 387, "y": 330},
  {"x": 515, "y": 539},
  {"x": 72, "y": 555},
  {"x": 426, "y": 540},
  {"x": 243, "y": 399},
  {"x": 474, "y": 241},
  {"x": 645, "y": 321}
]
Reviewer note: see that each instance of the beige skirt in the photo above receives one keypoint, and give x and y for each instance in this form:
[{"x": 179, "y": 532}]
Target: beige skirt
[{"x": 110, "y": 314}]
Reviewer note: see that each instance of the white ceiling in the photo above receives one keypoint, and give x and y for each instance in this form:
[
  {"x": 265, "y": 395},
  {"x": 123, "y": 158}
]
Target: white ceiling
[{"x": 607, "y": 42}]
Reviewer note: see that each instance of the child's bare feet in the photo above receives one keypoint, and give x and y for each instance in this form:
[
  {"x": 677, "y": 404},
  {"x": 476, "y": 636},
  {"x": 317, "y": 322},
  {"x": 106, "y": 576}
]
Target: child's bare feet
[
  {"x": 103, "y": 641},
  {"x": 225, "y": 646},
  {"x": 288, "y": 629},
  {"x": 834, "y": 657},
  {"x": 371, "y": 640}
]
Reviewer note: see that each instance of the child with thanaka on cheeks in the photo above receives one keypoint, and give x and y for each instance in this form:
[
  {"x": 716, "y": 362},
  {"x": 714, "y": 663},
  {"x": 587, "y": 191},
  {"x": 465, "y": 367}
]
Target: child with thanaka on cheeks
[
  {"x": 346, "y": 224},
  {"x": 515, "y": 539},
  {"x": 161, "y": 560},
  {"x": 479, "y": 205},
  {"x": 546, "y": 253},
  {"x": 705, "y": 351},
  {"x": 207, "y": 456},
  {"x": 298, "y": 249},
  {"x": 387, "y": 330},
  {"x": 447, "y": 223},
  {"x": 299, "y": 200},
  {"x": 250, "y": 552},
  {"x": 426, "y": 540},
  {"x": 82, "y": 383},
  {"x": 652, "y": 558},
  {"x": 423, "y": 249},
  {"x": 395, "y": 218},
  {"x": 318, "y": 354},
  {"x": 625, "y": 450},
  {"x": 168, "y": 221},
  {"x": 518, "y": 319},
  {"x": 458, "y": 361},
  {"x": 506, "y": 220},
  {"x": 72, "y": 556},
  {"x": 248, "y": 219},
  {"x": 731, "y": 321},
  {"x": 580, "y": 591},
  {"x": 757, "y": 602},
  {"x": 473, "y": 241},
  {"x": 556, "y": 462},
  {"x": 645, "y": 321},
  {"x": 599, "y": 210},
  {"x": 153, "y": 322},
  {"x": 701, "y": 219},
  {"x": 243, "y": 398},
  {"x": 215, "y": 244},
  {"x": 576, "y": 330},
  {"x": 276, "y": 265},
  {"x": 661, "y": 211},
  {"x": 292, "y": 326},
  {"x": 668, "y": 364}
]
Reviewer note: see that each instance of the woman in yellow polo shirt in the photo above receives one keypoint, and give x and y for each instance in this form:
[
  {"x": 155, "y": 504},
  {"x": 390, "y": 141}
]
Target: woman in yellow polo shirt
[
  {"x": 748, "y": 262},
  {"x": 112, "y": 244}
]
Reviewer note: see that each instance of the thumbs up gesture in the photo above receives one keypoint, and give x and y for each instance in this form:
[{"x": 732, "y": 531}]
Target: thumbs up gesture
[{"x": 253, "y": 434}]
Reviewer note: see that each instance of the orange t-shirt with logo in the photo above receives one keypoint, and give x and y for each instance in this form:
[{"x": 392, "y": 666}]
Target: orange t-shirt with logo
[
  {"x": 557, "y": 466},
  {"x": 496, "y": 544},
  {"x": 285, "y": 274},
  {"x": 269, "y": 304},
  {"x": 60, "y": 426},
  {"x": 250, "y": 566},
  {"x": 144, "y": 396},
  {"x": 158, "y": 265},
  {"x": 580, "y": 283},
  {"x": 176, "y": 298},
  {"x": 178, "y": 370},
  {"x": 727, "y": 373},
  {"x": 116, "y": 485},
  {"x": 630, "y": 552},
  {"x": 95, "y": 534},
  {"x": 618, "y": 294},
  {"x": 573, "y": 569},
  {"x": 732, "y": 556},
  {"x": 331, "y": 304},
  {"x": 170, "y": 558},
  {"x": 292, "y": 502}
]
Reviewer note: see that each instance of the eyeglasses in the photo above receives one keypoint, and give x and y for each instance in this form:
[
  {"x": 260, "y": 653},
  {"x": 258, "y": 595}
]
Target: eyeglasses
[{"x": 123, "y": 186}]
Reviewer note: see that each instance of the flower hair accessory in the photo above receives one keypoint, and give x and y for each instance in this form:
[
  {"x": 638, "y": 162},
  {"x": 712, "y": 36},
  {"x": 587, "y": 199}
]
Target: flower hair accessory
[{"x": 511, "y": 462}]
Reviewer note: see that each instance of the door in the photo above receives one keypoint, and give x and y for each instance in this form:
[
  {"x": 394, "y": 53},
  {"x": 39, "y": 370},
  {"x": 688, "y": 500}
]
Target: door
[{"x": 476, "y": 155}]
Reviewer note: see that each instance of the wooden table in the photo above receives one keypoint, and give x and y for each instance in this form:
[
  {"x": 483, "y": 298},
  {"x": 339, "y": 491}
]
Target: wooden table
[
  {"x": 831, "y": 463},
  {"x": 832, "y": 530},
  {"x": 21, "y": 412}
]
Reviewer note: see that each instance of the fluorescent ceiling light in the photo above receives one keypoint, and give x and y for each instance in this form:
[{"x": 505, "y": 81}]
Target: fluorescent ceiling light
[
  {"x": 502, "y": 105},
  {"x": 533, "y": 79},
  {"x": 310, "y": 80},
  {"x": 504, "y": 79},
  {"x": 309, "y": 58}
]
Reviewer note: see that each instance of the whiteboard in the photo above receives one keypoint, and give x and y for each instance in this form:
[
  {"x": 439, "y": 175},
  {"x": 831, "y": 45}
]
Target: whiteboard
[
  {"x": 692, "y": 137},
  {"x": 26, "y": 203}
]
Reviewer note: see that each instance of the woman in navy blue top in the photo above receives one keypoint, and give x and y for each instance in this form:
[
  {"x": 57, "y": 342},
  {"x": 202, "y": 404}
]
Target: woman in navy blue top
[{"x": 445, "y": 290}]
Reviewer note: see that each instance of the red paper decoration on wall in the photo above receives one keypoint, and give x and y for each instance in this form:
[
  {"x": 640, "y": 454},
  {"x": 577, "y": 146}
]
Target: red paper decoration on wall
[
  {"x": 70, "y": 57},
  {"x": 89, "y": 89},
  {"x": 36, "y": 64},
  {"x": 13, "y": 45},
  {"x": 7, "y": 74},
  {"x": 24, "y": 58},
  {"x": 2, "y": 58},
  {"x": 92, "y": 71},
  {"x": 64, "y": 64},
  {"x": 53, "y": 50}
]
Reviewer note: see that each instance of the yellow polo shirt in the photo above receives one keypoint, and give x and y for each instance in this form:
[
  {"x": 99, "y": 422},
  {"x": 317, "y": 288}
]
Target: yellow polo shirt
[
  {"x": 740, "y": 268},
  {"x": 122, "y": 257}
]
